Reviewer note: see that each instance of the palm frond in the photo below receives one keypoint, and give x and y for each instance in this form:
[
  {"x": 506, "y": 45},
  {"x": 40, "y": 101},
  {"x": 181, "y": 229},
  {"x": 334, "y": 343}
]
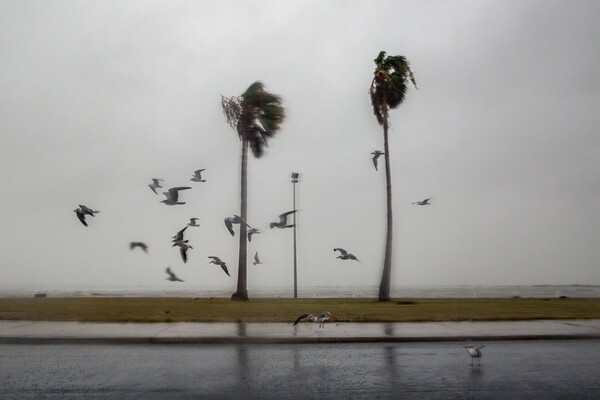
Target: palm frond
[
  {"x": 390, "y": 84},
  {"x": 257, "y": 116}
]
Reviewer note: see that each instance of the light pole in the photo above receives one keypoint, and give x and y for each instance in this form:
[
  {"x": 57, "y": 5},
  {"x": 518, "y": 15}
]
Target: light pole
[{"x": 295, "y": 177}]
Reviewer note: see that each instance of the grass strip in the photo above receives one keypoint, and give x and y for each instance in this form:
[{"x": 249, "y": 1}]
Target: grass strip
[{"x": 146, "y": 309}]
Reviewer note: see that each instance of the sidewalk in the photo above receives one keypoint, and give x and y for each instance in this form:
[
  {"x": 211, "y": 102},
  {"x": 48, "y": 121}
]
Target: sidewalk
[{"x": 234, "y": 333}]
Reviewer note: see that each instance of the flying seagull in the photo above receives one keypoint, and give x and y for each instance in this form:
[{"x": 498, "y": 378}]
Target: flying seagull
[
  {"x": 376, "y": 155},
  {"x": 319, "y": 318},
  {"x": 178, "y": 238},
  {"x": 183, "y": 248},
  {"x": 197, "y": 176},
  {"x": 155, "y": 184},
  {"x": 87, "y": 210},
  {"x": 251, "y": 232},
  {"x": 141, "y": 245},
  {"x": 256, "y": 259},
  {"x": 344, "y": 255},
  {"x": 474, "y": 352},
  {"x": 82, "y": 211},
  {"x": 282, "y": 221},
  {"x": 81, "y": 216},
  {"x": 193, "y": 222},
  {"x": 229, "y": 221},
  {"x": 217, "y": 261},
  {"x": 422, "y": 202},
  {"x": 172, "y": 196},
  {"x": 172, "y": 277}
]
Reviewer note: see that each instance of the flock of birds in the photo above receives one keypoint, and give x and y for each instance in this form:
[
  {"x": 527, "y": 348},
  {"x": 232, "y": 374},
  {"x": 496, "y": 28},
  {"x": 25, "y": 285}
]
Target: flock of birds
[{"x": 172, "y": 198}]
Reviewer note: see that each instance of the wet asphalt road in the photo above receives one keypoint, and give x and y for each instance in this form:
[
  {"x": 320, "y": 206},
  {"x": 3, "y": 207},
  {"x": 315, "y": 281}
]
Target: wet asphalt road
[{"x": 558, "y": 369}]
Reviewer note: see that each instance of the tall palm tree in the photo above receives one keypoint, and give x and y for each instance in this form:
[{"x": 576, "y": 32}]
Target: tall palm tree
[
  {"x": 388, "y": 89},
  {"x": 257, "y": 116}
]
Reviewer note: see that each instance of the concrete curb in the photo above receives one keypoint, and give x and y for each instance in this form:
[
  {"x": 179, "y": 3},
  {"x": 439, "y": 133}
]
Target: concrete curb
[{"x": 281, "y": 340}]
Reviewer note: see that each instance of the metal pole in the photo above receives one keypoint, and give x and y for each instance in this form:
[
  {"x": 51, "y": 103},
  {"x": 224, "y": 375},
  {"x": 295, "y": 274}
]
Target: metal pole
[{"x": 294, "y": 181}]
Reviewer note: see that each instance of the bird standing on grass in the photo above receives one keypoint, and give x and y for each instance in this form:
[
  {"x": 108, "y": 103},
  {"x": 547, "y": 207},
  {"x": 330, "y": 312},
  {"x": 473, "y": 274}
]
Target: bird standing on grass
[{"x": 474, "y": 352}]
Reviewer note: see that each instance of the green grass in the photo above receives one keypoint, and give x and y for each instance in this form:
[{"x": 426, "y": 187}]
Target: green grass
[{"x": 286, "y": 310}]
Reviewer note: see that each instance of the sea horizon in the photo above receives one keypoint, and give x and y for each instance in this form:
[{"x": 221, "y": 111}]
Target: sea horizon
[{"x": 461, "y": 291}]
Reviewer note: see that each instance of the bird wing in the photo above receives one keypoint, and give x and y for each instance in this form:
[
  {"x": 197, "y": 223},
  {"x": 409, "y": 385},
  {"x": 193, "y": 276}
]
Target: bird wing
[
  {"x": 81, "y": 217},
  {"x": 215, "y": 259},
  {"x": 303, "y": 316},
  {"x": 144, "y": 247},
  {"x": 179, "y": 235},
  {"x": 153, "y": 188},
  {"x": 342, "y": 251},
  {"x": 256, "y": 257},
  {"x": 183, "y": 252},
  {"x": 229, "y": 226},
  {"x": 174, "y": 192},
  {"x": 283, "y": 217},
  {"x": 375, "y": 161},
  {"x": 132, "y": 245},
  {"x": 222, "y": 264},
  {"x": 198, "y": 172}
]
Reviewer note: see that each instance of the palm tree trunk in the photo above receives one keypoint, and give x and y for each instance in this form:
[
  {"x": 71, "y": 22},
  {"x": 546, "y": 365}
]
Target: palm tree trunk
[
  {"x": 384, "y": 286},
  {"x": 242, "y": 289}
]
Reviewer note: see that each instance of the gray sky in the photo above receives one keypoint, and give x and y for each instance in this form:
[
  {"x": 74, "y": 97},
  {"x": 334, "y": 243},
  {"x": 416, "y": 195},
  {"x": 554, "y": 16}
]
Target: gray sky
[{"x": 97, "y": 97}]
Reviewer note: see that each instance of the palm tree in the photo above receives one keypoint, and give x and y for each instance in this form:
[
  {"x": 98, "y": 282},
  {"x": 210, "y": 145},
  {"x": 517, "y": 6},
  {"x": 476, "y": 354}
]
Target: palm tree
[
  {"x": 257, "y": 116},
  {"x": 388, "y": 89}
]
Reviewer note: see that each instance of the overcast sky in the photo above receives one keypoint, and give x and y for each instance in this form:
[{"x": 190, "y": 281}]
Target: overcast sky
[{"x": 98, "y": 97}]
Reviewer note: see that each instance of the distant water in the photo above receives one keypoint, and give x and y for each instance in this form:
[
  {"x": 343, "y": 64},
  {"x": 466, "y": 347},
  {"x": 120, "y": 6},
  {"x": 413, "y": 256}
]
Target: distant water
[{"x": 543, "y": 291}]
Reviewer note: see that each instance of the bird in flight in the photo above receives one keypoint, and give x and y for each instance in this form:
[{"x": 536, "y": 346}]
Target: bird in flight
[
  {"x": 474, "y": 352},
  {"x": 172, "y": 196},
  {"x": 82, "y": 211},
  {"x": 178, "y": 238},
  {"x": 376, "y": 154},
  {"x": 155, "y": 184},
  {"x": 193, "y": 222},
  {"x": 318, "y": 318},
  {"x": 282, "y": 221},
  {"x": 423, "y": 202},
  {"x": 172, "y": 277},
  {"x": 256, "y": 259},
  {"x": 236, "y": 219},
  {"x": 197, "y": 176},
  {"x": 251, "y": 232},
  {"x": 141, "y": 245},
  {"x": 219, "y": 262},
  {"x": 344, "y": 255},
  {"x": 183, "y": 248}
]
